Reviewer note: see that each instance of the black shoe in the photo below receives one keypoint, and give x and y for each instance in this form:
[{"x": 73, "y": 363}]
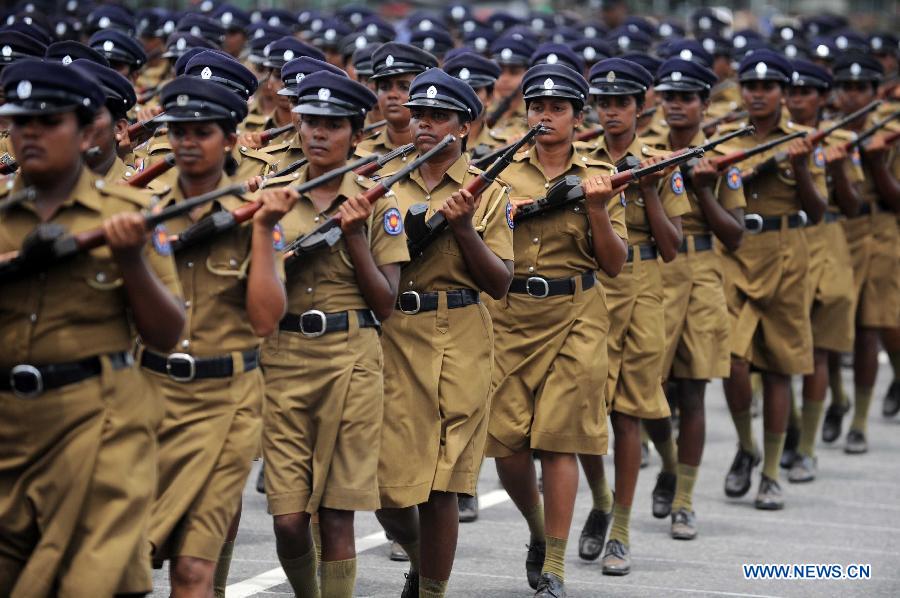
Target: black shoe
[
  {"x": 891, "y": 405},
  {"x": 534, "y": 562},
  {"x": 645, "y": 455},
  {"x": 468, "y": 508},
  {"x": 769, "y": 497},
  {"x": 261, "y": 479},
  {"x": 684, "y": 525},
  {"x": 411, "y": 587},
  {"x": 856, "y": 443},
  {"x": 663, "y": 494},
  {"x": 616, "y": 559},
  {"x": 550, "y": 586},
  {"x": 791, "y": 440},
  {"x": 834, "y": 418},
  {"x": 590, "y": 544},
  {"x": 398, "y": 554},
  {"x": 737, "y": 482}
]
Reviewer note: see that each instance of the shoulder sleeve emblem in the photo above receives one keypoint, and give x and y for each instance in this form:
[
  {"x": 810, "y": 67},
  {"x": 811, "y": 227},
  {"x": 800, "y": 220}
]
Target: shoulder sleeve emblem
[
  {"x": 819, "y": 157},
  {"x": 278, "y": 237},
  {"x": 733, "y": 178},
  {"x": 160, "y": 238},
  {"x": 677, "y": 183},
  {"x": 393, "y": 223},
  {"x": 509, "y": 219},
  {"x": 854, "y": 156}
]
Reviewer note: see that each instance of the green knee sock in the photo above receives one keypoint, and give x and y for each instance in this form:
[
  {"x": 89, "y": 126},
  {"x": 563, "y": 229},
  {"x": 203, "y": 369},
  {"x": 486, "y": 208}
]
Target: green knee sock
[
  {"x": 301, "y": 573},
  {"x": 535, "y": 519},
  {"x": 412, "y": 551},
  {"x": 773, "y": 445},
  {"x": 894, "y": 356},
  {"x": 432, "y": 588},
  {"x": 684, "y": 487},
  {"x": 317, "y": 539},
  {"x": 863, "y": 398},
  {"x": 555, "y": 559},
  {"x": 619, "y": 529},
  {"x": 220, "y": 578},
  {"x": 743, "y": 424},
  {"x": 338, "y": 578},
  {"x": 669, "y": 454},
  {"x": 602, "y": 495},
  {"x": 836, "y": 384},
  {"x": 810, "y": 420}
]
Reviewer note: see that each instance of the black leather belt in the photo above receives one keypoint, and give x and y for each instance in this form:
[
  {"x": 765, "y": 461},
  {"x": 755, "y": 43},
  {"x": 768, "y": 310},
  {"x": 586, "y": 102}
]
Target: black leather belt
[
  {"x": 647, "y": 252},
  {"x": 755, "y": 223},
  {"x": 314, "y": 323},
  {"x": 413, "y": 302},
  {"x": 830, "y": 217},
  {"x": 28, "y": 381},
  {"x": 183, "y": 367},
  {"x": 868, "y": 208},
  {"x": 538, "y": 286},
  {"x": 701, "y": 243}
]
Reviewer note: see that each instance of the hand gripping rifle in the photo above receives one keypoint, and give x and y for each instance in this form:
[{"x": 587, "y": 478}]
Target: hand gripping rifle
[
  {"x": 8, "y": 164},
  {"x": 568, "y": 190},
  {"x": 420, "y": 233},
  {"x": 871, "y": 131},
  {"x": 329, "y": 232}
]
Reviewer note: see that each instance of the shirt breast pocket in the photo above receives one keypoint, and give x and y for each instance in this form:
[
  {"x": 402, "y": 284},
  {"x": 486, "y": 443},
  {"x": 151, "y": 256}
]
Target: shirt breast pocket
[
  {"x": 95, "y": 285},
  {"x": 572, "y": 221},
  {"x": 227, "y": 268}
]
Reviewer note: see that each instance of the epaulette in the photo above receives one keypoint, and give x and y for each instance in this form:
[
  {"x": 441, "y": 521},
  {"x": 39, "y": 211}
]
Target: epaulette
[
  {"x": 652, "y": 152},
  {"x": 798, "y": 127},
  {"x": 143, "y": 198},
  {"x": 654, "y": 139},
  {"x": 255, "y": 119},
  {"x": 732, "y": 126},
  {"x": 264, "y": 154},
  {"x": 159, "y": 147},
  {"x": 593, "y": 162}
]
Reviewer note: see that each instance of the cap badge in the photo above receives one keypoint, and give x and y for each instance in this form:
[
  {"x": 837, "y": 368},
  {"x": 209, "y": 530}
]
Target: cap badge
[
  {"x": 425, "y": 25},
  {"x": 552, "y": 59},
  {"x": 709, "y": 44},
  {"x": 795, "y": 76},
  {"x": 274, "y": 21},
  {"x": 458, "y": 12},
  {"x": 360, "y": 42},
  {"x": 227, "y": 18},
  {"x": 288, "y": 55},
  {"x": 548, "y": 84},
  {"x": 611, "y": 77},
  {"x": 704, "y": 23},
  {"x": 876, "y": 43},
  {"x": 299, "y": 78},
  {"x": 464, "y": 74},
  {"x": 469, "y": 26},
  {"x": 590, "y": 32},
  {"x": 506, "y": 54},
  {"x": 6, "y": 51},
  {"x": 371, "y": 29},
  {"x": 761, "y": 69},
  {"x": 740, "y": 41},
  {"x": 324, "y": 94},
  {"x": 790, "y": 51},
  {"x": 589, "y": 53},
  {"x": 389, "y": 61},
  {"x": 206, "y": 73},
  {"x": 822, "y": 50},
  {"x": 841, "y": 42},
  {"x": 855, "y": 69},
  {"x": 23, "y": 89},
  {"x": 431, "y": 92},
  {"x": 676, "y": 76},
  {"x": 624, "y": 41},
  {"x": 480, "y": 44},
  {"x": 67, "y": 60},
  {"x": 108, "y": 46},
  {"x": 181, "y": 44},
  {"x": 787, "y": 34},
  {"x": 330, "y": 34},
  {"x": 428, "y": 43},
  {"x": 196, "y": 32},
  {"x": 182, "y": 100},
  {"x": 686, "y": 54},
  {"x": 665, "y": 30},
  {"x": 103, "y": 23}
]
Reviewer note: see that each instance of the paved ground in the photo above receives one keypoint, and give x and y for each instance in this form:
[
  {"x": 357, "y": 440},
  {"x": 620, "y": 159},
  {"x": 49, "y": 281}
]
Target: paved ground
[{"x": 850, "y": 514}]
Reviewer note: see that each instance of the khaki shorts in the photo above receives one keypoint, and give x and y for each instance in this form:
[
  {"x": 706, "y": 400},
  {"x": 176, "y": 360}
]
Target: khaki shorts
[
  {"x": 636, "y": 340},
  {"x": 550, "y": 374},
  {"x": 696, "y": 317},
  {"x": 873, "y": 242},
  {"x": 322, "y": 420},
  {"x": 207, "y": 442},
  {"x": 832, "y": 289},
  {"x": 78, "y": 463}
]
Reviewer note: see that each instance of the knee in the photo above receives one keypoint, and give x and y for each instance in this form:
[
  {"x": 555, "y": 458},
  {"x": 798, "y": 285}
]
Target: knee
[
  {"x": 625, "y": 425},
  {"x": 690, "y": 399},
  {"x": 189, "y": 572},
  {"x": 292, "y": 526},
  {"x": 335, "y": 523}
]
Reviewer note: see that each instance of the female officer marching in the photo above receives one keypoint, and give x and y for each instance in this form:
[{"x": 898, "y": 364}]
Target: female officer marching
[
  {"x": 636, "y": 339},
  {"x": 212, "y": 387},
  {"x": 550, "y": 330},
  {"x": 438, "y": 345},
  {"x": 323, "y": 369}
]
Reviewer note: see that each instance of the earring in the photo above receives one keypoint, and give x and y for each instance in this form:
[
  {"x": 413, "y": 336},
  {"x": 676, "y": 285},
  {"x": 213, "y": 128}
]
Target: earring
[{"x": 227, "y": 149}]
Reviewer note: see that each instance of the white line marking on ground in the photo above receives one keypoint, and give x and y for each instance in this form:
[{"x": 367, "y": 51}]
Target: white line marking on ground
[{"x": 274, "y": 577}]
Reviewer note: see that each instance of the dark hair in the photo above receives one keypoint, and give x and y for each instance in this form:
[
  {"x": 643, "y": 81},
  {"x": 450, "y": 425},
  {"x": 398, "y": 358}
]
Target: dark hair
[
  {"x": 85, "y": 116},
  {"x": 229, "y": 128},
  {"x": 231, "y": 165},
  {"x": 577, "y": 106}
]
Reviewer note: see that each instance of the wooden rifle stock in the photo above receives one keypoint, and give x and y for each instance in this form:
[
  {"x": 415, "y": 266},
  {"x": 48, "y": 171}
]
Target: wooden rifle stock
[
  {"x": 143, "y": 178},
  {"x": 371, "y": 168},
  {"x": 269, "y": 134}
]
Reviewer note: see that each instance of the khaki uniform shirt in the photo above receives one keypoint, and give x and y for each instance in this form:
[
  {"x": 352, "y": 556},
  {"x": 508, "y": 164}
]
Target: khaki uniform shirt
[
  {"x": 78, "y": 309},
  {"x": 379, "y": 144},
  {"x": 558, "y": 243},
  {"x": 727, "y": 190},
  {"x": 213, "y": 276},
  {"x": 674, "y": 201},
  {"x": 442, "y": 267},
  {"x": 326, "y": 280}
]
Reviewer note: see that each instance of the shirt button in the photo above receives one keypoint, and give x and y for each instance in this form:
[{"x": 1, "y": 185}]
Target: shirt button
[
  {"x": 410, "y": 283},
  {"x": 535, "y": 240},
  {"x": 316, "y": 219},
  {"x": 754, "y": 195},
  {"x": 546, "y": 185},
  {"x": 530, "y": 269},
  {"x": 232, "y": 262},
  {"x": 427, "y": 197},
  {"x": 33, "y": 318},
  {"x": 185, "y": 344},
  {"x": 309, "y": 289},
  {"x": 187, "y": 303},
  {"x": 101, "y": 277},
  {"x": 190, "y": 264}
]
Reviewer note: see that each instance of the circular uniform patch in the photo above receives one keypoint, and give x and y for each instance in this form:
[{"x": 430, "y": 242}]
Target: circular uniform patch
[
  {"x": 509, "y": 220},
  {"x": 854, "y": 157},
  {"x": 819, "y": 157},
  {"x": 160, "y": 239},
  {"x": 677, "y": 183},
  {"x": 393, "y": 223},
  {"x": 733, "y": 178},
  {"x": 278, "y": 237}
]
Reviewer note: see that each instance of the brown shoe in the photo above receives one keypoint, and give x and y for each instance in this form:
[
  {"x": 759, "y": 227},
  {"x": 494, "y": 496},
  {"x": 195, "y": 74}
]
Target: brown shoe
[{"x": 616, "y": 559}]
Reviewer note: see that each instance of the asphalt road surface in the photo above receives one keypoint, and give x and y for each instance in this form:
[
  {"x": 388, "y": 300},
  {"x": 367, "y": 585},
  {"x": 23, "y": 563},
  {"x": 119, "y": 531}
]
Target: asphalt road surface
[{"x": 849, "y": 515}]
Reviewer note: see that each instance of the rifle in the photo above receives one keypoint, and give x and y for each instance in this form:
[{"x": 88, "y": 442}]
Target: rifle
[
  {"x": 711, "y": 144},
  {"x": 862, "y": 137},
  {"x": 269, "y": 134},
  {"x": 815, "y": 137},
  {"x": 8, "y": 164},
  {"x": 421, "y": 233},
  {"x": 500, "y": 109},
  {"x": 375, "y": 125},
  {"x": 369, "y": 169},
  {"x": 329, "y": 232},
  {"x": 145, "y": 95},
  {"x": 730, "y": 117},
  {"x": 219, "y": 222},
  {"x": 143, "y": 129},
  {"x": 569, "y": 189},
  {"x": 143, "y": 178},
  {"x": 648, "y": 112},
  {"x": 488, "y": 159}
]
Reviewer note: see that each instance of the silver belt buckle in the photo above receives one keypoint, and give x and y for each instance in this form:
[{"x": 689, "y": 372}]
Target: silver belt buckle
[
  {"x": 24, "y": 370},
  {"x": 417, "y": 297},
  {"x": 757, "y": 221},
  {"x": 316, "y": 314},
  {"x": 804, "y": 219},
  {"x": 185, "y": 357},
  {"x": 545, "y": 292}
]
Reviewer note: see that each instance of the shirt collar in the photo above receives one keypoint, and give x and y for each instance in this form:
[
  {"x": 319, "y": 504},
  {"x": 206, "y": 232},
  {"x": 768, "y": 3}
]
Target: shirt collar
[{"x": 84, "y": 192}]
